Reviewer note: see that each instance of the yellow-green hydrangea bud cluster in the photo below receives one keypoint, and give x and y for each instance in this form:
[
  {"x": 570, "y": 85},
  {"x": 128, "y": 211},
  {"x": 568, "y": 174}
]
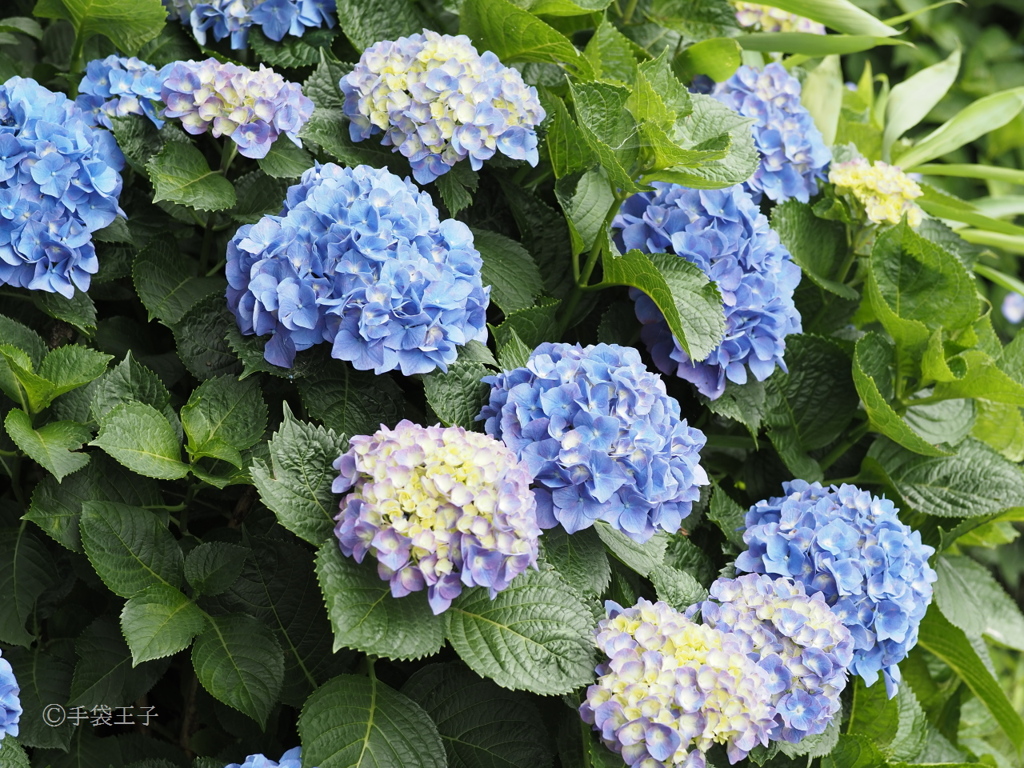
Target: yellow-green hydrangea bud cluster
[
  {"x": 672, "y": 688},
  {"x": 439, "y": 508},
  {"x": 767, "y": 19},
  {"x": 884, "y": 190}
]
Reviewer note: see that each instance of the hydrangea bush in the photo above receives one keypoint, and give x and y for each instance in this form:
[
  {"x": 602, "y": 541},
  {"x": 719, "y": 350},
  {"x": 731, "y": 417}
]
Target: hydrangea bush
[{"x": 411, "y": 384}]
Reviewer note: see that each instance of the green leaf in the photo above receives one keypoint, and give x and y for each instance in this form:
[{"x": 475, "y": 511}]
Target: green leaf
[
  {"x": 976, "y": 481},
  {"x": 972, "y": 600},
  {"x": 911, "y": 733},
  {"x": 480, "y": 724},
  {"x": 44, "y": 678},
  {"x": 816, "y": 399},
  {"x": 104, "y": 675},
  {"x": 729, "y": 516},
  {"x": 258, "y": 195},
  {"x": 718, "y": 58},
  {"x": 982, "y": 378},
  {"x": 744, "y": 403},
  {"x": 366, "y": 617},
  {"x": 348, "y": 401},
  {"x": 278, "y": 586},
  {"x": 456, "y": 397},
  {"x": 159, "y": 622},
  {"x": 167, "y": 284},
  {"x": 840, "y": 15},
  {"x": 690, "y": 302},
  {"x": 532, "y": 325},
  {"x": 128, "y": 23},
  {"x": 693, "y": 19},
  {"x": 642, "y": 558},
  {"x": 212, "y": 567},
  {"x": 27, "y": 570},
  {"x": 12, "y": 755},
  {"x": 201, "y": 339},
  {"x": 329, "y": 129},
  {"x": 610, "y": 130},
  {"x": 516, "y": 35},
  {"x": 822, "y": 95},
  {"x": 285, "y": 160},
  {"x": 72, "y": 366},
  {"x": 355, "y": 722},
  {"x": 914, "y": 282},
  {"x": 180, "y": 174},
  {"x": 509, "y": 269},
  {"x": 984, "y": 172},
  {"x": 972, "y": 122},
  {"x": 586, "y": 202},
  {"x": 872, "y": 377},
  {"x": 952, "y": 646},
  {"x": 129, "y": 548},
  {"x": 57, "y": 506},
  {"x": 910, "y": 101},
  {"x": 297, "y": 484},
  {"x": 535, "y": 635},
  {"x": 224, "y": 410},
  {"x": 53, "y": 445},
  {"x": 141, "y": 438},
  {"x": 817, "y": 246},
  {"x": 1000, "y": 426},
  {"x": 368, "y": 21},
  {"x": 22, "y": 24},
  {"x": 874, "y": 715},
  {"x": 579, "y": 558},
  {"x": 129, "y": 380},
  {"x": 238, "y": 661},
  {"x": 78, "y": 311},
  {"x": 854, "y": 751},
  {"x": 947, "y": 422},
  {"x": 513, "y": 353},
  {"x": 24, "y": 338},
  {"x": 612, "y": 55},
  {"x": 677, "y": 588},
  {"x": 813, "y": 45},
  {"x": 566, "y": 143},
  {"x": 457, "y": 188},
  {"x": 291, "y": 52}
]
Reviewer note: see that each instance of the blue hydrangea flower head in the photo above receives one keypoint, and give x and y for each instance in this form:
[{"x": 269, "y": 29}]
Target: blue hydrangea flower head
[
  {"x": 764, "y": 18},
  {"x": 252, "y": 107},
  {"x": 852, "y": 548},
  {"x": 359, "y": 258},
  {"x": 1013, "y": 307},
  {"x": 601, "y": 437},
  {"x": 10, "y": 701},
  {"x": 117, "y": 87},
  {"x": 793, "y": 152},
  {"x": 438, "y": 101},
  {"x": 803, "y": 646},
  {"x": 669, "y": 689},
  {"x": 438, "y": 508},
  {"x": 234, "y": 18},
  {"x": 290, "y": 759},
  {"x": 724, "y": 233},
  {"x": 59, "y": 183}
]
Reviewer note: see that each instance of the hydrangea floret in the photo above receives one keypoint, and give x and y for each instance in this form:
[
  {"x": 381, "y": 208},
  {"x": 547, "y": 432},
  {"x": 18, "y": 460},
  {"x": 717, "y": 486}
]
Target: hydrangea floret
[
  {"x": 671, "y": 688},
  {"x": 10, "y": 701},
  {"x": 725, "y": 234},
  {"x": 290, "y": 759},
  {"x": 764, "y": 18},
  {"x": 252, "y": 107},
  {"x": 438, "y": 508},
  {"x": 438, "y": 101},
  {"x": 234, "y": 18},
  {"x": 59, "y": 183},
  {"x": 118, "y": 87},
  {"x": 601, "y": 437},
  {"x": 850, "y": 546},
  {"x": 798, "y": 641},
  {"x": 359, "y": 258},
  {"x": 884, "y": 191},
  {"x": 792, "y": 149}
]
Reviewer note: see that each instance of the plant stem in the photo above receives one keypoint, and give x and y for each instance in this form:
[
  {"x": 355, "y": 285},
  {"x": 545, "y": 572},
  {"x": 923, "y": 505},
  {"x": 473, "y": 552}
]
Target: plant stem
[
  {"x": 836, "y": 453},
  {"x": 582, "y": 276},
  {"x": 628, "y": 15}
]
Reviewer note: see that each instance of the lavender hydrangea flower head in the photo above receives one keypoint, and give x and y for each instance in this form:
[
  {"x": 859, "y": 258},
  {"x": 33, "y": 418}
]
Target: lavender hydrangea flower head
[
  {"x": 359, "y": 258},
  {"x": 793, "y": 152},
  {"x": 601, "y": 437},
  {"x": 438, "y": 101},
  {"x": 671, "y": 688},
  {"x": 852, "y": 548},
  {"x": 252, "y": 107},
  {"x": 764, "y": 18},
  {"x": 234, "y": 18},
  {"x": 290, "y": 759},
  {"x": 798, "y": 641},
  {"x": 439, "y": 508},
  {"x": 59, "y": 183},
  {"x": 117, "y": 87},
  {"x": 10, "y": 701},
  {"x": 884, "y": 191},
  {"x": 722, "y": 232}
]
